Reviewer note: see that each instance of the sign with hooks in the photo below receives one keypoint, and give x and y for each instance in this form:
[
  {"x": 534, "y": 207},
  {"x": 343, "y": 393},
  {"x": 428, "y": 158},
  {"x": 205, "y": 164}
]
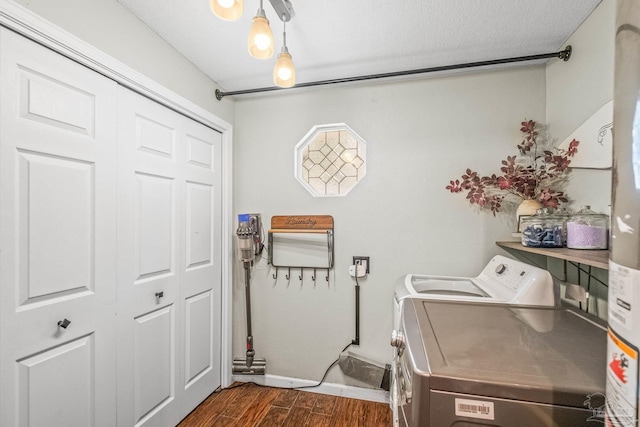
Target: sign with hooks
[{"x": 301, "y": 241}]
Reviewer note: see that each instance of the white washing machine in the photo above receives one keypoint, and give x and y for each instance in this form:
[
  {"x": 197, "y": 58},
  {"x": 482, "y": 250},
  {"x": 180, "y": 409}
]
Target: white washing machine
[{"x": 503, "y": 280}]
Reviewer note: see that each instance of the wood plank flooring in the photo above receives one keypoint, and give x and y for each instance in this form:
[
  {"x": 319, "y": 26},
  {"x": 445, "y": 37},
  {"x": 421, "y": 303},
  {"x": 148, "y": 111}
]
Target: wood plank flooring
[{"x": 254, "y": 406}]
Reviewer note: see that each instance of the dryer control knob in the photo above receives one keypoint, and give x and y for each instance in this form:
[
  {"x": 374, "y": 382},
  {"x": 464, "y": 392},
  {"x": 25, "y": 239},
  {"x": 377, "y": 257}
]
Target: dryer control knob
[
  {"x": 397, "y": 339},
  {"x": 501, "y": 268}
]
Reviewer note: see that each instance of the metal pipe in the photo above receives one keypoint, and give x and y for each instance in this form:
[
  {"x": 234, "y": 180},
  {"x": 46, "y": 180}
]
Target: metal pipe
[{"x": 564, "y": 54}]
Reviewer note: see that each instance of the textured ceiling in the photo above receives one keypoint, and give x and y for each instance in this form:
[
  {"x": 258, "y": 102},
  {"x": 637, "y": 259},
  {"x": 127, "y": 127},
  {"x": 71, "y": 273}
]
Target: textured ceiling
[{"x": 331, "y": 39}]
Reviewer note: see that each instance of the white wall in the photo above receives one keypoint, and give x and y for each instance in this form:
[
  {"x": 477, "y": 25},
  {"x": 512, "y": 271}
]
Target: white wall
[
  {"x": 108, "y": 26},
  {"x": 420, "y": 134},
  {"x": 577, "y": 89}
]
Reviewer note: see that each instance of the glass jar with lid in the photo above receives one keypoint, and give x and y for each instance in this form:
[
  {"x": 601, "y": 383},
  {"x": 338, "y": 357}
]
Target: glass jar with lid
[
  {"x": 543, "y": 230},
  {"x": 587, "y": 229},
  {"x": 564, "y": 214}
]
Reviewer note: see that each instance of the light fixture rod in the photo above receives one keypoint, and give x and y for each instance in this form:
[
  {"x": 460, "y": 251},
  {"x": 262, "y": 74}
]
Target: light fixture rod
[
  {"x": 564, "y": 54},
  {"x": 284, "y": 34}
]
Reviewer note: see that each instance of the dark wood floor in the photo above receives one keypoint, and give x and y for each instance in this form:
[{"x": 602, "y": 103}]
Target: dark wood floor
[{"x": 251, "y": 405}]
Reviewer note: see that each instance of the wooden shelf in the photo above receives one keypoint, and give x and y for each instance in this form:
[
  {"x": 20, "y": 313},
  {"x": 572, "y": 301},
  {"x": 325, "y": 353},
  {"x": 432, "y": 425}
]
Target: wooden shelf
[{"x": 594, "y": 258}]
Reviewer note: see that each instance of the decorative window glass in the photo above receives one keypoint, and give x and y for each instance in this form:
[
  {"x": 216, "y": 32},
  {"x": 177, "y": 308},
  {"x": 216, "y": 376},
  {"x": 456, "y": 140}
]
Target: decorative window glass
[{"x": 330, "y": 160}]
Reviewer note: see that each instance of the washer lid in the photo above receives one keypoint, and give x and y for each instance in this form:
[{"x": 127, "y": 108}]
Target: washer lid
[
  {"x": 461, "y": 287},
  {"x": 502, "y": 280},
  {"x": 550, "y": 355}
]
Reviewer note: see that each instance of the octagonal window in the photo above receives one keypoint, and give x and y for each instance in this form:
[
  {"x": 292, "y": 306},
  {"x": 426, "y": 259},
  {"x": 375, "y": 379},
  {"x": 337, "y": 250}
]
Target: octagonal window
[{"x": 330, "y": 160}]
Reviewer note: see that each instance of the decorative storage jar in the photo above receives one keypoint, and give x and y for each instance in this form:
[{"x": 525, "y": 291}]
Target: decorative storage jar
[
  {"x": 587, "y": 229},
  {"x": 543, "y": 230},
  {"x": 564, "y": 214}
]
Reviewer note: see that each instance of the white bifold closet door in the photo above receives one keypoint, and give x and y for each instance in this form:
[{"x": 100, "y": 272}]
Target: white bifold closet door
[
  {"x": 57, "y": 239},
  {"x": 169, "y": 255},
  {"x": 110, "y": 218}
]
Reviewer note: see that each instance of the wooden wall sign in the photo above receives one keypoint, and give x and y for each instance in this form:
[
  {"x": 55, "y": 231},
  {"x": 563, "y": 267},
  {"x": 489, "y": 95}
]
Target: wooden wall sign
[{"x": 308, "y": 223}]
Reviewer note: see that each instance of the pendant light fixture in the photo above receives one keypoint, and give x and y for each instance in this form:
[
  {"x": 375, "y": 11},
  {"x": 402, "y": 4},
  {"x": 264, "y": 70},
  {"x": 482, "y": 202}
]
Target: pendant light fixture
[
  {"x": 284, "y": 73},
  {"x": 261, "y": 44},
  {"x": 229, "y": 10}
]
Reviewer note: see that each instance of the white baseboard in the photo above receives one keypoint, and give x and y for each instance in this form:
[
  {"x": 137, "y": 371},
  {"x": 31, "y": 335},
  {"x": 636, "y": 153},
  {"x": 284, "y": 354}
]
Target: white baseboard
[{"x": 324, "y": 388}]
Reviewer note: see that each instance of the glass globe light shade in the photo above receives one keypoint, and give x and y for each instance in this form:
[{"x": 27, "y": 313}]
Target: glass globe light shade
[
  {"x": 260, "y": 43},
  {"x": 284, "y": 73},
  {"x": 228, "y": 10}
]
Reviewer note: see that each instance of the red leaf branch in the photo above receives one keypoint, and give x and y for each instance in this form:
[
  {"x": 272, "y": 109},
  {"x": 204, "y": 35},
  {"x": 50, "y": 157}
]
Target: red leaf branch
[{"x": 536, "y": 174}]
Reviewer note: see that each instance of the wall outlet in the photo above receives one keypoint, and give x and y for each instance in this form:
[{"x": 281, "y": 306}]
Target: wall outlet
[{"x": 362, "y": 260}]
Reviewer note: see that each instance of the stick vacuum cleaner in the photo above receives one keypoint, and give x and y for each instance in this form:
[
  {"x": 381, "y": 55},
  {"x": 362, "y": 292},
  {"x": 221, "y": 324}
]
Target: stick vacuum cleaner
[{"x": 248, "y": 234}]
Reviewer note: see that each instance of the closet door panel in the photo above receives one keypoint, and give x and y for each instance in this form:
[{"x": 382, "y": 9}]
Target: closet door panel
[
  {"x": 57, "y": 239},
  {"x": 153, "y": 381},
  {"x": 55, "y": 101},
  {"x": 57, "y": 232},
  {"x": 42, "y": 401},
  {"x": 199, "y": 225},
  {"x": 202, "y": 272},
  {"x": 155, "y": 227},
  {"x": 149, "y": 194},
  {"x": 199, "y": 346}
]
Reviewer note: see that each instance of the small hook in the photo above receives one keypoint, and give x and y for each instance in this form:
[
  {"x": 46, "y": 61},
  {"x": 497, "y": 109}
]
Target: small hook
[
  {"x": 288, "y": 275},
  {"x": 275, "y": 276},
  {"x": 327, "y": 278},
  {"x": 314, "y": 276},
  {"x": 301, "y": 276}
]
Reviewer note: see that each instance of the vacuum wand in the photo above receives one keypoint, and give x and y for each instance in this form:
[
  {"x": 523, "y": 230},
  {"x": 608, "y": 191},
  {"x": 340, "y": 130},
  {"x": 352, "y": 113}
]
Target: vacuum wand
[{"x": 247, "y": 288}]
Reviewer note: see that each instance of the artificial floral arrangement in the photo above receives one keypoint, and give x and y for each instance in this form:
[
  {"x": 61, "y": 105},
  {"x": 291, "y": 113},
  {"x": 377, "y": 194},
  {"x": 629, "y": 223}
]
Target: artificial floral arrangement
[{"x": 536, "y": 175}]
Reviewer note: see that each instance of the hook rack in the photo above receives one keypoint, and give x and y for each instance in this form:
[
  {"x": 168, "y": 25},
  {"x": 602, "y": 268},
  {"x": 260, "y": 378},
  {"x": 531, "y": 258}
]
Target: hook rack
[{"x": 296, "y": 241}]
